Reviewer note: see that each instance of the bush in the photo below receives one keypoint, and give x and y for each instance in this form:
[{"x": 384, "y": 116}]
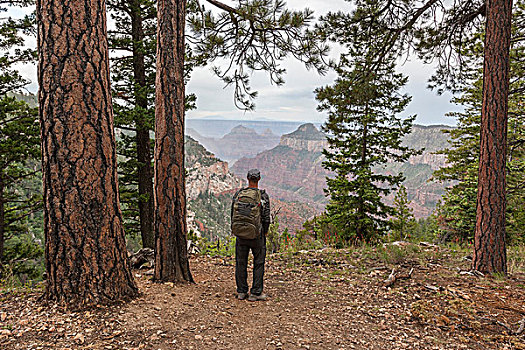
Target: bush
[
  {"x": 23, "y": 262},
  {"x": 224, "y": 248}
]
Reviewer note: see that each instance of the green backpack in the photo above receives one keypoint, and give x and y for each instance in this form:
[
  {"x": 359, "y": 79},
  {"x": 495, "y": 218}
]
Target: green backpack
[{"x": 246, "y": 218}]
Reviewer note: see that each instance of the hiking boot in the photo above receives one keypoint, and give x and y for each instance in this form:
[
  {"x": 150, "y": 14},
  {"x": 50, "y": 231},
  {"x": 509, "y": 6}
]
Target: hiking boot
[
  {"x": 255, "y": 297},
  {"x": 242, "y": 296}
]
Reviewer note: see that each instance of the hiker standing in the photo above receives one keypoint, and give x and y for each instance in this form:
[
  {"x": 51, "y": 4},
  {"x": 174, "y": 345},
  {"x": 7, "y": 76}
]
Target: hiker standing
[{"x": 250, "y": 217}]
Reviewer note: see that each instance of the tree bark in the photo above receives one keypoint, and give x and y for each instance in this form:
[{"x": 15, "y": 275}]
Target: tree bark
[
  {"x": 144, "y": 170},
  {"x": 171, "y": 256},
  {"x": 489, "y": 240},
  {"x": 86, "y": 257}
]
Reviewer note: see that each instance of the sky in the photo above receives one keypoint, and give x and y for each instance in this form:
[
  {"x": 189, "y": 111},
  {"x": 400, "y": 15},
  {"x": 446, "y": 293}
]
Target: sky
[{"x": 295, "y": 100}]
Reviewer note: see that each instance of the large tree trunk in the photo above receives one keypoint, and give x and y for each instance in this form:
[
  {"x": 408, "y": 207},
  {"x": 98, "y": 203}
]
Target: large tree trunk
[
  {"x": 171, "y": 256},
  {"x": 86, "y": 257},
  {"x": 144, "y": 171},
  {"x": 489, "y": 242}
]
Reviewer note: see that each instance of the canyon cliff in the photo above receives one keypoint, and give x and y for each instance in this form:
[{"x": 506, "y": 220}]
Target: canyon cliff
[
  {"x": 294, "y": 177},
  {"x": 293, "y": 171},
  {"x": 209, "y": 188}
]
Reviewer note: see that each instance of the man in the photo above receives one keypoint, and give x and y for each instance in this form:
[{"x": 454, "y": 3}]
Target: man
[{"x": 250, "y": 216}]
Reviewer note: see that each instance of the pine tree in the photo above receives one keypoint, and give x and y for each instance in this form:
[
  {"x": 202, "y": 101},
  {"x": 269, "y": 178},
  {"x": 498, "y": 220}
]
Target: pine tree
[
  {"x": 490, "y": 254},
  {"x": 133, "y": 43},
  {"x": 457, "y": 214},
  {"x": 133, "y": 76},
  {"x": 171, "y": 256},
  {"x": 254, "y": 36},
  {"x": 86, "y": 256},
  {"x": 413, "y": 25},
  {"x": 19, "y": 151},
  {"x": 364, "y": 133},
  {"x": 403, "y": 222}
]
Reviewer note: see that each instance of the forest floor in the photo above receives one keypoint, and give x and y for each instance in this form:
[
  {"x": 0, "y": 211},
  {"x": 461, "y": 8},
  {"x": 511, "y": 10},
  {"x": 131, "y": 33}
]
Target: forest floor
[{"x": 330, "y": 299}]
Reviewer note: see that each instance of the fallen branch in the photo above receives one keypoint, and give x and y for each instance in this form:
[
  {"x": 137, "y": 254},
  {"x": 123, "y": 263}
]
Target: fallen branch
[
  {"x": 458, "y": 293},
  {"x": 144, "y": 258},
  {"x": 510, "y": 308},
  {"x": 428, "y": 245},
  {"x": 509, "y": 329},
  {"x": 474, "y": 273},
  {"x": 393, "y": 277}
]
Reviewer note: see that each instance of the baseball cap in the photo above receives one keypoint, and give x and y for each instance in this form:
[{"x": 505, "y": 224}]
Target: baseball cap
[{"x": 254, "y": 174}]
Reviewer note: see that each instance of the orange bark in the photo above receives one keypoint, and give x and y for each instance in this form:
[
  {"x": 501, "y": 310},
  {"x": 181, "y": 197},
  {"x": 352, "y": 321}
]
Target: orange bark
[
  {"x": 86, "y": 256},
  {"x": 171, "y": 256},
  {"x": 489, "y": 241}
]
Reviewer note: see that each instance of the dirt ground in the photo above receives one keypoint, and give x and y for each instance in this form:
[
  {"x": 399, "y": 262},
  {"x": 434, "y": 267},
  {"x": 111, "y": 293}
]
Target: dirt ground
[{"x": 318, "y": 300}]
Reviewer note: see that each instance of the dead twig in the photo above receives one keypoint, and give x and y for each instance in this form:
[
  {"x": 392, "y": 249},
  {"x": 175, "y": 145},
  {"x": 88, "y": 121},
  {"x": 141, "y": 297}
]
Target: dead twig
[
  {"x": 520, "y": 329},
  {"x": 510, "y": 308},
  {"x": 393, "y": 277},
  {"x": 432, "y": 288}
]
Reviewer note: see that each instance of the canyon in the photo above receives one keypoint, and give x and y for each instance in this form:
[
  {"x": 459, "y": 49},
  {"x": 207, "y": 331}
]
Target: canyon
[{"x": 292, "y": 173}]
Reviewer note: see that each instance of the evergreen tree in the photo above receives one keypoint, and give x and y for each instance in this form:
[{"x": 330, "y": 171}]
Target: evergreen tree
[
  {"x": 19, "y": 140},
  {"x": 438, "y": 30},
  {"x": 490, "y": 253},
  {"x": 457, "y": 213},
  {"x": 171, "y": 255},
  {"x": 364, "y": 132},
  {"x": 133, "y": 42},
  {"x": 86, "y": 256},
  {"x": 403, "y": 222},
  {"x": 19, "y": 150},
  {"x": 133, "y": 76}
]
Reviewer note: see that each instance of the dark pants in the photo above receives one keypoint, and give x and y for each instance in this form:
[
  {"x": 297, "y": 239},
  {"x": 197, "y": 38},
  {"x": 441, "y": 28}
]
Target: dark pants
[{"x": 242, "y": 249}]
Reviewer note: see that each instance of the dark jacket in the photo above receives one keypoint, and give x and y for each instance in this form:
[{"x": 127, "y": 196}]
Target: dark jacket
[{"x": 265, "y": 210}]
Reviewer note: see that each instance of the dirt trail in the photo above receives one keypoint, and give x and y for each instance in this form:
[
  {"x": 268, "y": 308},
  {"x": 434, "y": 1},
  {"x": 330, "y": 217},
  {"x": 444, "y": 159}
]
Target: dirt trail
[{"x": 317, "y": 301}]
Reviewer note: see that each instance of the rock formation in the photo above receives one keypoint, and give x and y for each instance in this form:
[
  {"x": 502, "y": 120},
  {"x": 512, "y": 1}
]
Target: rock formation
[
  {"x": 306, "y": 137},
  {"x": 293, "y": 170},
  {"x": 209, "y": 187}
]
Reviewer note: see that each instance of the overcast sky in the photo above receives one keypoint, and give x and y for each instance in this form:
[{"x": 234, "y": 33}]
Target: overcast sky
[{"x": 295, "y": 100}]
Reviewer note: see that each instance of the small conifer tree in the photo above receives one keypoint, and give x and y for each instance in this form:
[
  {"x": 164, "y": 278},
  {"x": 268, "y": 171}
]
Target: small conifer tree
[
  {"x": 403, "y": 222},
  {"x": 364, "y": 128}
]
